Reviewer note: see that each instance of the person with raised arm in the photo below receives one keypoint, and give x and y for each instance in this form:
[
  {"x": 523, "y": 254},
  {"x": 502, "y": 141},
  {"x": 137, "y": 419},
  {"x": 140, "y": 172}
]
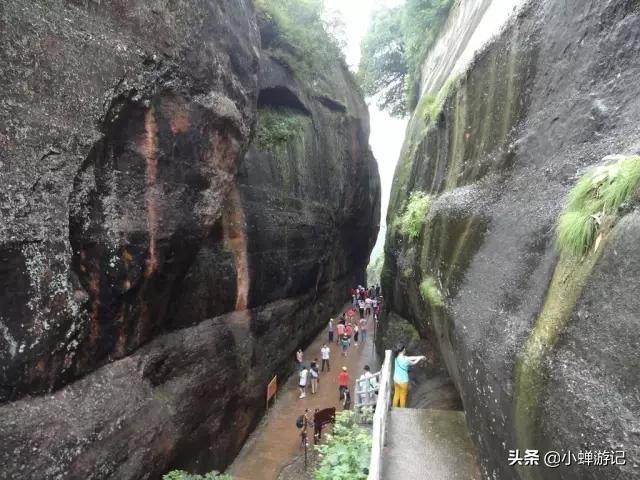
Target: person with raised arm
[{"x": 401, "y": 375}]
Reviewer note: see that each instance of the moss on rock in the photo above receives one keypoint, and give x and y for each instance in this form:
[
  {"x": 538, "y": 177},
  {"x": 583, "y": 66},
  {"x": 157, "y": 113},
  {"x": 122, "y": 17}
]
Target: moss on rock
[
  {"x": 591, "y": 209},
  {"x": 431, "y": 293}
]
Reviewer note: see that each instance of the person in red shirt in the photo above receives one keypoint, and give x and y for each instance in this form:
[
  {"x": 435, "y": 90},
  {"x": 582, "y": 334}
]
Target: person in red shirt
[
  {"x": 340, "y": 329},
  {"x": 349, "y": 330},
  {"x": 343, "y": 382}
]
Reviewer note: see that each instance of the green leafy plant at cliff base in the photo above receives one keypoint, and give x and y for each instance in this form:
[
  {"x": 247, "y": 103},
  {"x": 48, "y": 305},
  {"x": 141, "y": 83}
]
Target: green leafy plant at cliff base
[
  {"x": 347, "y": 451},
  {"x": 594, "y": 202},
  {"x": 412, "y": 219},
  {"x": 182, "y": 475},
  {"x": 276, "y": 128},
  {"x": 431, "y": 293}
]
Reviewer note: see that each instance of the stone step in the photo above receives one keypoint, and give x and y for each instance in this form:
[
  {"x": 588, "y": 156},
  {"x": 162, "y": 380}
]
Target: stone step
[{"x": 428, "y": 444}]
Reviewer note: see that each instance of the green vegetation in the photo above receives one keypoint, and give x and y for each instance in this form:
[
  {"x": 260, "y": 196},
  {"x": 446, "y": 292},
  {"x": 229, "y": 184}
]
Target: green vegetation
[
  {"x": 182, "y": 475},
  {"x": 346, "y": 454},
  {"x": 383, "y": 68},
  {"x": 595, "y": 201},
  {"x": 305, "y": 39},
  {"x": 374, "y": 270},
  {"x": 394, "y": 49},
  {"x": 414, "y": 214},
  {"x": 276, "y": 128},
  {"x": 430, "y": 106},
  {"x": 431, "y": 292},
  {"x": 531, "y": 369}
]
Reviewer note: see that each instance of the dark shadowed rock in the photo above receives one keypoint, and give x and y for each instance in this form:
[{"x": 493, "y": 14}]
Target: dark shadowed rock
[{"x": 151, "y": 283}]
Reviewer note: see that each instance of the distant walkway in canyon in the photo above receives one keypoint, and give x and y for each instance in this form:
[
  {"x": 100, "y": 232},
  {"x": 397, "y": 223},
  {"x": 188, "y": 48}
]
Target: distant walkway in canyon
[{"x": 276, "y": 442}]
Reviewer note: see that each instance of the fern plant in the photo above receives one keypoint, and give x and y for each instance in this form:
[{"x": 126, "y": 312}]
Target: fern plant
[{"x": 414, "y": 215}]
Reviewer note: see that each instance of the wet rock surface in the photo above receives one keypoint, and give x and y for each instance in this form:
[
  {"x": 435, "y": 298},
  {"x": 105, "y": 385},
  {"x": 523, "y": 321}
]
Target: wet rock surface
[
  {"x": 152, "y": 278},
  {"x": 552, "y": 95}
]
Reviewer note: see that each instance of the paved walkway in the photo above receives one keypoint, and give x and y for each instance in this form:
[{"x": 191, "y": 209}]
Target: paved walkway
[
  {"x": 276, "y": 441},
  {"x": 428, "y": 444}
]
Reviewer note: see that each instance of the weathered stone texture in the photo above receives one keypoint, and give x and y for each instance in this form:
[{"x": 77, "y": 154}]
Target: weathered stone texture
[
  {"x": 552, "y": 95},
  {"x": 152, "y": 279}
]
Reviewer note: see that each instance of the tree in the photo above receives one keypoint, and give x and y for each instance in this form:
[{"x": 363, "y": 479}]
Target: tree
[
  {"x": 302, "y": 34},
  {"x": 394, "y": 49},
  {"x": 383, "y": 65}
]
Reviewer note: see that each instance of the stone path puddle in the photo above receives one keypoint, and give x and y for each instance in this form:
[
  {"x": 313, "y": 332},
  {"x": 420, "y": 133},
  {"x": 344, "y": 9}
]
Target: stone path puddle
[
  {"x": 276, "y": 442},
  {"x": 428, "y": 444}
]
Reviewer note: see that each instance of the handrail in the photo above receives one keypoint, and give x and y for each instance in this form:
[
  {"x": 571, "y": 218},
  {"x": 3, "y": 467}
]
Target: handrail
[
  {"x": 367, "y": 391},
  {"x": 380, "y": 419}
]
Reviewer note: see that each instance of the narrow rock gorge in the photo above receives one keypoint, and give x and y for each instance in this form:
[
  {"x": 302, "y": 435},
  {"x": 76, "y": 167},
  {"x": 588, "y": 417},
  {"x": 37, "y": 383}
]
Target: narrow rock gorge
[
  {"x": 541, "y": 344},
  {"x": 164, "y": 246}
]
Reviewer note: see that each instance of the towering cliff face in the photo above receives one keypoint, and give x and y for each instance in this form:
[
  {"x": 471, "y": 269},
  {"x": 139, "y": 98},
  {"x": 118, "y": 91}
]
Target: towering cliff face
[
  {"x": 541, "y": 346},
  {"x": 153, "y": 279}
]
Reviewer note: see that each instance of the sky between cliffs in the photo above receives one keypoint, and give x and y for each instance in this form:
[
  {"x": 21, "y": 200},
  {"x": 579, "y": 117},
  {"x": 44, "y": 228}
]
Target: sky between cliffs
[{"x": 387, "y": 134}]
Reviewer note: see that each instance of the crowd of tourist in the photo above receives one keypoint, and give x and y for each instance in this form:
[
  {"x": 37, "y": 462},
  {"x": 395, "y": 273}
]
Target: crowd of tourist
[{"x": 350, "y": 329}]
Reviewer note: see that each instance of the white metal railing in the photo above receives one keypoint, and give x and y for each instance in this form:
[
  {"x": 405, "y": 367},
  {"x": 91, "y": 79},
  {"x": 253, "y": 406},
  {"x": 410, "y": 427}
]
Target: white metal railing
[
  {"x": 380, "y": 418},
  {"x": 367, "y": 389}
]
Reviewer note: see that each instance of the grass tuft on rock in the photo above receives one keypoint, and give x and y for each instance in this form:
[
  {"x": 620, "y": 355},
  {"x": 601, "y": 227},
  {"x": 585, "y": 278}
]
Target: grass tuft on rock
[
  {"x": 430, "y": 106},
  {"x": 596, "y": 198},
  {"x": 411, "y": 221},
  {"x": 431, "y": 292}
]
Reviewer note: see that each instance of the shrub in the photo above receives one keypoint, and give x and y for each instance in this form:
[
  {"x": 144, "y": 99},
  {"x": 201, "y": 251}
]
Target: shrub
[
  {"x": 182, "y": 475},
  {"x": 346, "y": 454},
  {"x": 306, "y": 39},
  {"x": 430, "y": 106},
  {"x": 431, "y": 292},
  {"x": 413, "y": 217},
  {"x": 374, "y": 269},
  {"x": 594, "y": 200},
  {"x": 276, "y": 128}
]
